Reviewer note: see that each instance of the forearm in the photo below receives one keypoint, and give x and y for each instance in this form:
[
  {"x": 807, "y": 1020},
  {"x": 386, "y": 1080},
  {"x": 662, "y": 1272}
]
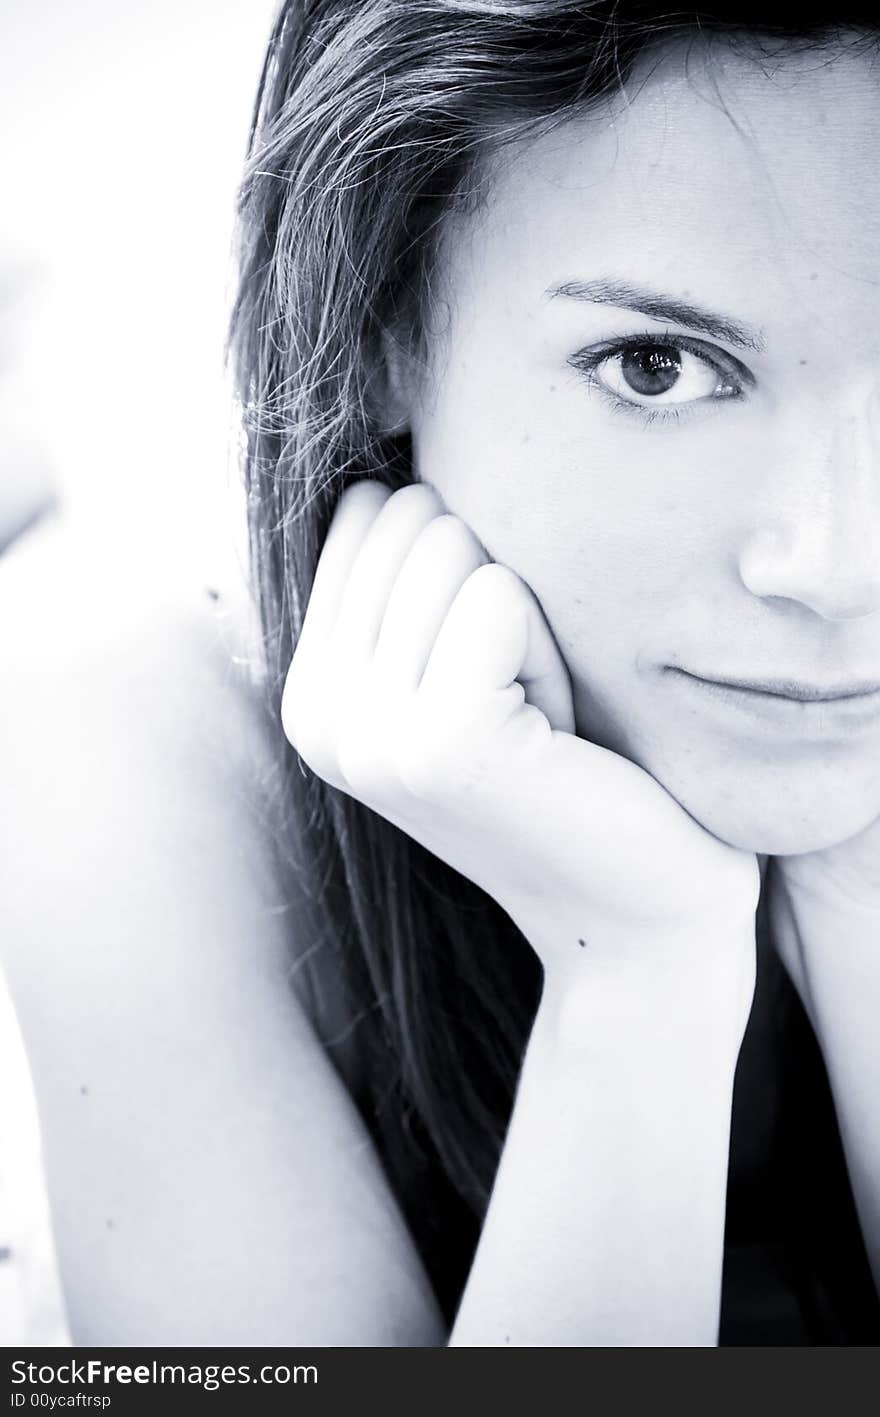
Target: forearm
[
  {"x": 836, "y": 968},
  {"x": 606, "y": 1222}
]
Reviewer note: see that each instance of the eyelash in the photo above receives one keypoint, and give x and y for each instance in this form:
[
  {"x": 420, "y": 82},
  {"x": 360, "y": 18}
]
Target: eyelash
[{"x": 587, "y": 361}]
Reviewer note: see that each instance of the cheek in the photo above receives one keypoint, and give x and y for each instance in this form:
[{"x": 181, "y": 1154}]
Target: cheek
[
  {"x": 581, "y": 510},
  {"x": 618, "y": 530},
  {"x": 779, "y": 805},
  {"x": 629, "y": 539}
]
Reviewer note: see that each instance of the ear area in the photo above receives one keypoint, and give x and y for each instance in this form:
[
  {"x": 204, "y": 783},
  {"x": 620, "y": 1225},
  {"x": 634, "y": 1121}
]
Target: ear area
[{"x": 393, "y": 389}]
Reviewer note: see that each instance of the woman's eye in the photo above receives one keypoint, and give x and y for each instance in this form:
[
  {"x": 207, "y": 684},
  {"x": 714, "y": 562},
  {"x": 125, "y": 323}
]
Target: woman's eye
[
  {"x": 651, "y": 375},
  {"x": 659, "y": 374}
]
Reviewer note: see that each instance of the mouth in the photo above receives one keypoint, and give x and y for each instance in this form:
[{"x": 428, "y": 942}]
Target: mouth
[
  {"x": 794, "y": 689},
  {"x": 797, "y": 706}
]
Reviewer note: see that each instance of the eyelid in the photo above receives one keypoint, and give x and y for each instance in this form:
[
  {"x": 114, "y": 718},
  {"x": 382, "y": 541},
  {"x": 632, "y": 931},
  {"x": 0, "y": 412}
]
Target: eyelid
[{"x": 591, "y": 356}]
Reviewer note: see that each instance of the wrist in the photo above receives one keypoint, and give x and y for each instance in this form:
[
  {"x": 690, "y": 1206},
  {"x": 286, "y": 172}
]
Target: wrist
[{"x": 670, "y": 995}]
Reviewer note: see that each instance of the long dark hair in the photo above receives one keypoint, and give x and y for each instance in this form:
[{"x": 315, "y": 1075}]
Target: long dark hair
[{"x": 371, "y": 120}]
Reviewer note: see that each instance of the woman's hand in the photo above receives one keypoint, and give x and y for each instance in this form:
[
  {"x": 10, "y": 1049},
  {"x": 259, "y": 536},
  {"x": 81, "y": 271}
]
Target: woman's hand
[{"x": 427, "y": 684}]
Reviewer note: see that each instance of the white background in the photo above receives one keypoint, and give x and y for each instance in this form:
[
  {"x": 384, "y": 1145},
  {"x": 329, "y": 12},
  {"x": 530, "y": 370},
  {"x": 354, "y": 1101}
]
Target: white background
[{"x": 122, "y": 132}]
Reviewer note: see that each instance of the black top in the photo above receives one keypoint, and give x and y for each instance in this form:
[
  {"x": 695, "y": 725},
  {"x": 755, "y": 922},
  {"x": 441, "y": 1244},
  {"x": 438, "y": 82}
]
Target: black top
[{"x": 795, "y": 1268}]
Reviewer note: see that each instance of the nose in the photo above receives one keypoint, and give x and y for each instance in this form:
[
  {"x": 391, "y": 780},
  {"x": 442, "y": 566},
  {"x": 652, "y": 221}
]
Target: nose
[{"x": 817, "y": 540}]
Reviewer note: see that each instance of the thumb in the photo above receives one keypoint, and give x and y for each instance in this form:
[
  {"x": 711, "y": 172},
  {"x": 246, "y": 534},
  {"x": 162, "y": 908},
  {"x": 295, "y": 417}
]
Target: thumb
[{"x": 495, "y": 633}]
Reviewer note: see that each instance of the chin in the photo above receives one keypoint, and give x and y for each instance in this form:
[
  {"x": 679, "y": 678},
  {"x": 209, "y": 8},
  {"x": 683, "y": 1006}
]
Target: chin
[
  {"x": 787, "y": 826},
  {"x": 768, "y": 804}
]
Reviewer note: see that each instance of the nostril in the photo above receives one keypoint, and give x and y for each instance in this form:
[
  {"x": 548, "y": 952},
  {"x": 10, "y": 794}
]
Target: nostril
[
  {"x": 834, "y": 593},
  {"x": 857, "y": 608}
]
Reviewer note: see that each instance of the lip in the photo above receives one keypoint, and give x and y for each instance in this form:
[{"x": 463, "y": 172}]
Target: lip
[
  {"x": 795, "y": 689},
  {"x": 797, "y": 707}
]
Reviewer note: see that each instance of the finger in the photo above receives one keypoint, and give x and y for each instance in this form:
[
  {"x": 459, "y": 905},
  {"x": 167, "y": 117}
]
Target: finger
[
  {"x": 439, "y": 562},
  {"x": 357, "y": 509},
  {"x": 375, "y": 569},
  {"x": 496, "y": 633}
]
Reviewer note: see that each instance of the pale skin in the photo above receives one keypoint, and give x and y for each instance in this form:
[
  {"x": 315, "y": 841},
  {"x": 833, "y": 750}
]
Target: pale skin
[
  {"x": 26, "y": 482},
  {"x": 488, "y": 660}
]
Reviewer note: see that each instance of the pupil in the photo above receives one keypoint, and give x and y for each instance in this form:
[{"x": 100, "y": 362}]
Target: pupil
[{"x": 651, "y": 370}]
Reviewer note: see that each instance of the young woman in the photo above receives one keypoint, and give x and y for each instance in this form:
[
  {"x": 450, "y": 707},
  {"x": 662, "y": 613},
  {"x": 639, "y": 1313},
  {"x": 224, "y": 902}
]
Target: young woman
[
  {"x": 587, "y": 285},
  {"x": 557, "y": 350}
]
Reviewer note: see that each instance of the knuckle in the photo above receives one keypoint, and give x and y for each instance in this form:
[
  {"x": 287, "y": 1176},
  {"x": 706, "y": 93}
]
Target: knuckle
[
  {"x": 456, "y": 533},
  {"x": 492, "y": 594},
  {"x": 361, "y": 499},
  {"x": 494, "y": 579},
  {"x": 418, "y": 496}
]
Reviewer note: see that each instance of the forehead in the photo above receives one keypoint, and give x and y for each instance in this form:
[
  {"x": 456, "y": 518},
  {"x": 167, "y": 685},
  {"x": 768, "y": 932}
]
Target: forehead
[{"x": 717, "y": 169}]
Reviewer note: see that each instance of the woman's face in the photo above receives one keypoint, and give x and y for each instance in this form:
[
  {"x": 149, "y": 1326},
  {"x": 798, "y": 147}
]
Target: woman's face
[{"x": 654, "y": 392}]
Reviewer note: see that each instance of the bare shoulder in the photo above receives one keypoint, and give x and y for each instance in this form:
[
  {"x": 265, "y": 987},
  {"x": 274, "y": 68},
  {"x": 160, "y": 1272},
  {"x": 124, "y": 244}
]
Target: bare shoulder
[
  {"x": 210, "y": 1179},
  {"x": 78, "y": 624},
  {"x": 132, "y": 730}
]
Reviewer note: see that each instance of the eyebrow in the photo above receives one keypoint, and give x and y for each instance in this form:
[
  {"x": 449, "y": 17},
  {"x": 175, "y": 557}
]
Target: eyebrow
[{"x": 658, "y": 306}]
